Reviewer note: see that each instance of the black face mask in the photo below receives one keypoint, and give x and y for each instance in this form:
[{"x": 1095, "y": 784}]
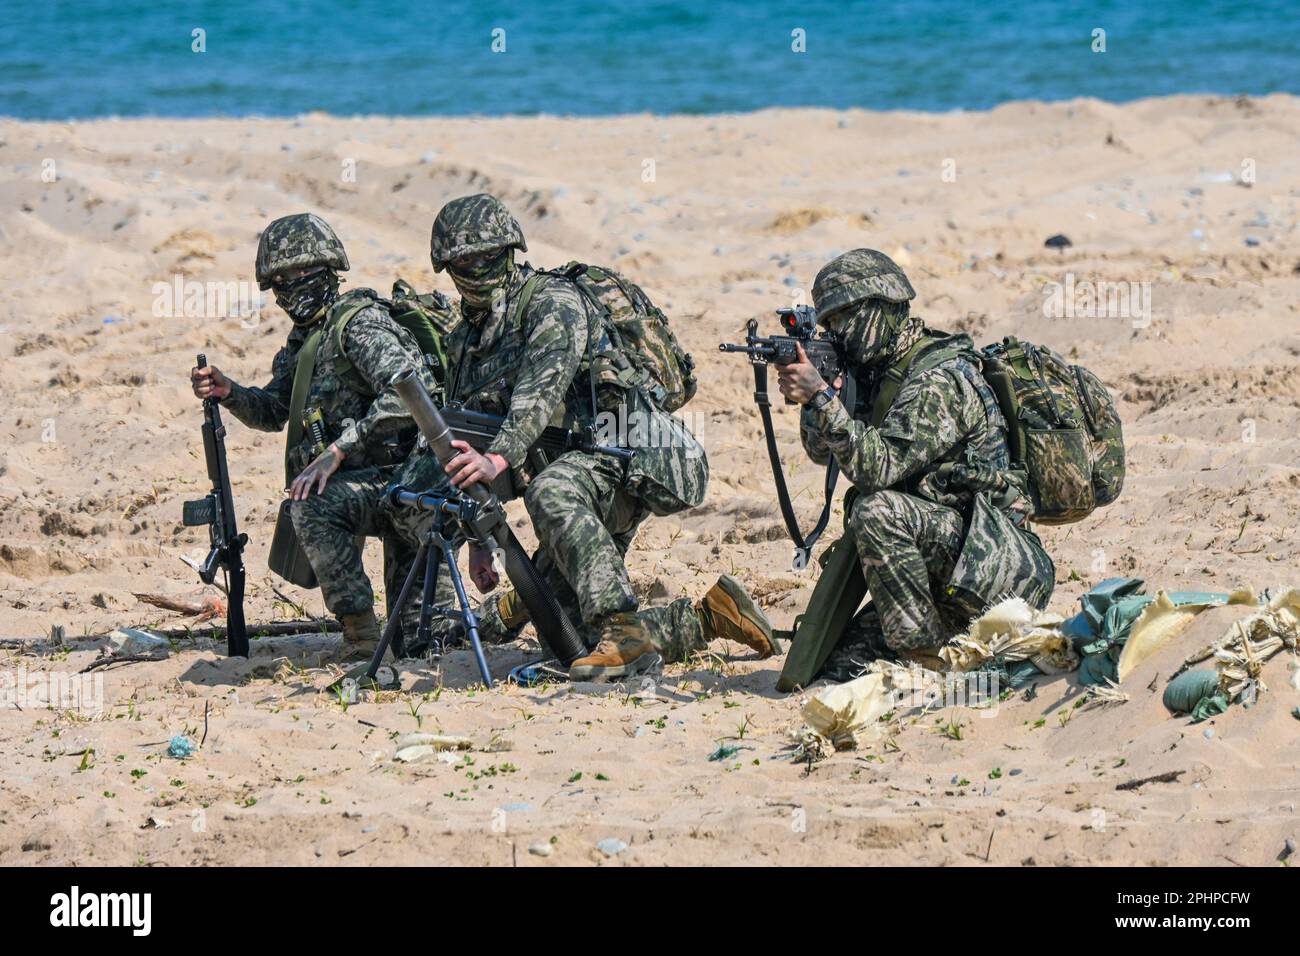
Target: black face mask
[{"x": 305, "y": 298}]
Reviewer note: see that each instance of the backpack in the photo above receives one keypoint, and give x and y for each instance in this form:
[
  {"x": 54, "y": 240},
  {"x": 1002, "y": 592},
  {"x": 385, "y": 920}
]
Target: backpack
[
  {"x": 429, "y": 318},
  {"x": 1062, "y": 427},
  {"x": 643, "y": 350}
]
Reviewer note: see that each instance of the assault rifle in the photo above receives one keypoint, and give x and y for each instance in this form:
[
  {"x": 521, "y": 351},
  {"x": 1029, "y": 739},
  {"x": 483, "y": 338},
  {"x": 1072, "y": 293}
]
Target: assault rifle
[
  {"x": 217, "y": 511},
  {"x": 479, "y": 429},
  {"x": 825, "y": 355},
  {"x": 801, "y": 324}
]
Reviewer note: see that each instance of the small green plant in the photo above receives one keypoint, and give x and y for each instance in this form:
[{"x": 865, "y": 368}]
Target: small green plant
[
  {"x": 414, "y": 708},
  {"x": 951, "y": 730}
]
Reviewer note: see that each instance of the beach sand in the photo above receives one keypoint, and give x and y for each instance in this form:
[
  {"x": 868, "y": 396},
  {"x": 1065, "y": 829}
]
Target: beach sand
[{"x": 721, "y": 219}]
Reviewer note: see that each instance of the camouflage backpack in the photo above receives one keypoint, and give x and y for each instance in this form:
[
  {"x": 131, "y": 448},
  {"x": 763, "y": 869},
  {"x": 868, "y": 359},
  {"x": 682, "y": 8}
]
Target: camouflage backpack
[
  {"x": 643, "y": 350},
  {"x": 1062, "y": 427}
]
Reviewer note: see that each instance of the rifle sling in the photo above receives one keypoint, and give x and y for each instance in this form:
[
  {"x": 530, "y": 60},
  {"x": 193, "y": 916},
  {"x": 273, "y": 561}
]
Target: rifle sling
[
  {"x": 761, "y": 398},
  {"x": 302, "y": 375}
]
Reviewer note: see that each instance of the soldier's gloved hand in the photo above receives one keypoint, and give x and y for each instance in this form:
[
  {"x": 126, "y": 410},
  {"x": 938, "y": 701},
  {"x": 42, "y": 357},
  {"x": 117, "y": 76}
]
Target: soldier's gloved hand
[
  {"x": 481, "y": 571},
  {"x": 317, "y": 473},
  {"x": 799, "y": 381},
  {"x": 469, "y": 466},
  {"x": 208, "y": 382}
]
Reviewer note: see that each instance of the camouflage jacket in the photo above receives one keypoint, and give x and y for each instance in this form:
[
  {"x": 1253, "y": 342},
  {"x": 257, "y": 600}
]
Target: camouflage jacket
[
  {"x": 523, "y": 367},
  {"x": 371, "y": 427},
  {"x": 942, "y": 438},
  {"x": 532, "y": 368}
]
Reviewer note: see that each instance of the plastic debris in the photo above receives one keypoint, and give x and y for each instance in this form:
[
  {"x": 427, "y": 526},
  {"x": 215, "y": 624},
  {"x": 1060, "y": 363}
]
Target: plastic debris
[
  {"x": 436, "y": 741},
  {"x": 416, "y": 747},
  {"x": 182, "y": 747},
  {"x": 414, "y": 754},
  {"x": 1012, "y": 631},
  {"x": 611, "y": 847},
  {"x": 133, "y": 640},
  {"x": 725, "y": 751},
  {"x": 541, "y": 849}
]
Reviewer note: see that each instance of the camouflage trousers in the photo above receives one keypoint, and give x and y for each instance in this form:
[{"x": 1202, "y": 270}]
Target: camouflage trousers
[
  {"x": 585, "y": 518},
  {"x": 332, "y": 527},
  {"x": 929, "y": 577}
]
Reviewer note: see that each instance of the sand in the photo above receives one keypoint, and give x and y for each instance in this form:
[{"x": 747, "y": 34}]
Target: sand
[{"x": 721, "y": 219}]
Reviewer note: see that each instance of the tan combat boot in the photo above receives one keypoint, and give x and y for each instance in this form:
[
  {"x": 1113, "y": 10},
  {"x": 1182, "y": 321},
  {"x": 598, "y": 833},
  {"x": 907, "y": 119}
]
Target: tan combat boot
[
  {"x": 360, "y": 635},
  {"x": 502, "y": 617},
  {"x": 624, "y": 650},
  {"x": 727, "y": 611}
]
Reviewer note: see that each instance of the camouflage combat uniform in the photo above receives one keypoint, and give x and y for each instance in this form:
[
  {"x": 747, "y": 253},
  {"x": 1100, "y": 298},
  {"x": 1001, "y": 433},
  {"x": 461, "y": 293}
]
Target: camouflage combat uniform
[
  {"x": 372, "y": 428},
  {"x": 530, "y": 366},
  {"x": 937, "y": 462}
]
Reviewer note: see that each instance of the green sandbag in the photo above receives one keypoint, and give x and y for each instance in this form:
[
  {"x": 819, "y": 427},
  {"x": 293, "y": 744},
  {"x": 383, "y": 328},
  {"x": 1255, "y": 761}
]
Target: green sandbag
[
  {"x": 1098, "y": 669},
  {"x": 1196, "y": 693}
]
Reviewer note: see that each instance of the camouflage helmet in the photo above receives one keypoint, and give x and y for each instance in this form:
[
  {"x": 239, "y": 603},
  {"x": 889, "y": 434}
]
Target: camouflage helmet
[
  {"x": 299, "y": 241},
  {"x": 471, "y": 225},
  {"x": 857, "y": 275}
]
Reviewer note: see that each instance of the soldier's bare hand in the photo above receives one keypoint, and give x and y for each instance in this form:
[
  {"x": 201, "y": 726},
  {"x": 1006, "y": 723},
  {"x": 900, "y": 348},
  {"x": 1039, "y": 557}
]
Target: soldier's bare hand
[
  {"x": 317, "y": 474},
  {"x": 469, "y": 466},
  {"x": 799, "y": 381},
  {"x": 208, "y": 382},
  {"x": 481, "y": 571}
]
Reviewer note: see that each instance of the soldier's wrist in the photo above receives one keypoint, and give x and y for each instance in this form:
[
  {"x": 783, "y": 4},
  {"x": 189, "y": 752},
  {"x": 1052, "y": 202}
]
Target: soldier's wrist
[{"x": 821, "y": 399}]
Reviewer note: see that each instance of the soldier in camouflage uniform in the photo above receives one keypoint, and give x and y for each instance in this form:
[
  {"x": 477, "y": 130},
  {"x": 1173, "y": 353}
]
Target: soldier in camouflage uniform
[
  {"x": 338, "y": 494},
  {"x": 531, "y": 364},
  {"x": 937, "y": 511}
]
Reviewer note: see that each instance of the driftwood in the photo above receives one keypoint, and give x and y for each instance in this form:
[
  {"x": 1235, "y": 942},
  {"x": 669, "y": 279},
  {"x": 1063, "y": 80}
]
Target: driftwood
[
  {"x": 1170, "y": 777},
  {"x": 209, "y": 608},
  {"x": 254, "y": 630},
  {"x": 119, "y": 659},
  {"x": 213, "y": 631}
]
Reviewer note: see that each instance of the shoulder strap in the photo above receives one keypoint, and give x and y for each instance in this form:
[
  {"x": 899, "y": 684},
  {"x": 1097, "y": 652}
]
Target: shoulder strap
[
  {"x": 526, "y": 294},
  {"x": 570, "y": 273},
  {"x": 919, "y": 358},
  {"x": 302, "y": 375},
  {"x": 892, "y": 381},
  {"x": 338, "y": 323}
]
